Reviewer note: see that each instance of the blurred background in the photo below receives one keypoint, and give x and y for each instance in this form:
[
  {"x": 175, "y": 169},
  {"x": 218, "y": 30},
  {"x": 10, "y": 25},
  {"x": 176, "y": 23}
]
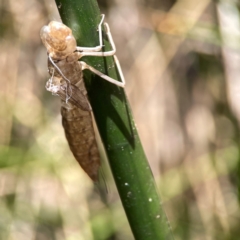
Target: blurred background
[{"x": 181, "y": 61}]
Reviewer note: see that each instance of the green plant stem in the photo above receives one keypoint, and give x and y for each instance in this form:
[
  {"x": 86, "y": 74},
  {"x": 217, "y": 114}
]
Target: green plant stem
[{"x": 114, "y": 119}]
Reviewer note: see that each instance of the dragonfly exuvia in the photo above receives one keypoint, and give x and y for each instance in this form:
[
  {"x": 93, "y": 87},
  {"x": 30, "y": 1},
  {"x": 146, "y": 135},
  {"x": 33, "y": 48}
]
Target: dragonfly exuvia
[{"x": 66, "y": 81}]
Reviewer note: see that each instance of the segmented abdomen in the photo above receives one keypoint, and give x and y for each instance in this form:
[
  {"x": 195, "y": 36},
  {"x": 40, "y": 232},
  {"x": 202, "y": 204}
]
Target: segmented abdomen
[{"x": 79, "y": 132}]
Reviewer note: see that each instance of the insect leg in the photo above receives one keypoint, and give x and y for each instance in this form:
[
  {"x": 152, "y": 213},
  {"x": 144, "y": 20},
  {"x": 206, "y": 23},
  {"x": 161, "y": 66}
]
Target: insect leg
[
  {"x": 102, "y": 54},
  {"x": 109, "y": 79},
  {"x": 97, "y": 48}
]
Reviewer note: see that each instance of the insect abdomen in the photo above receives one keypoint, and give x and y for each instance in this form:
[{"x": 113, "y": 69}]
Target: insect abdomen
[{"x": 79, "y": 132}]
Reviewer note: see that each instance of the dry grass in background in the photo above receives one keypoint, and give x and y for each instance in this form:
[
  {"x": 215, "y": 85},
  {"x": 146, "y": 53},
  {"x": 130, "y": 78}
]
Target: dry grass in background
[{"x": 182, "y": 65}]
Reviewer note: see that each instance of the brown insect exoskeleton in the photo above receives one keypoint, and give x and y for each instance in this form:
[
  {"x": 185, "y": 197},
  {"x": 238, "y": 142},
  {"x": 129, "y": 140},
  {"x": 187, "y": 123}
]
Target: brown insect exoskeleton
[{"x": 67, "y": 82}]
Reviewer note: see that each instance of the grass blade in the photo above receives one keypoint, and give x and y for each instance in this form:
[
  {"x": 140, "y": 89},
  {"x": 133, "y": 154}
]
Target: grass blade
[{"x": 114, "y": 119}]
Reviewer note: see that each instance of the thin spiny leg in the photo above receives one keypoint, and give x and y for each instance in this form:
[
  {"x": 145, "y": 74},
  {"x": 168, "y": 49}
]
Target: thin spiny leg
[
  {"x": 102, "y": 54},
  {"x": 109, "y": 79},
  {"x": 94, "y": 52},
  {"x": 97, "y": 48}
]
